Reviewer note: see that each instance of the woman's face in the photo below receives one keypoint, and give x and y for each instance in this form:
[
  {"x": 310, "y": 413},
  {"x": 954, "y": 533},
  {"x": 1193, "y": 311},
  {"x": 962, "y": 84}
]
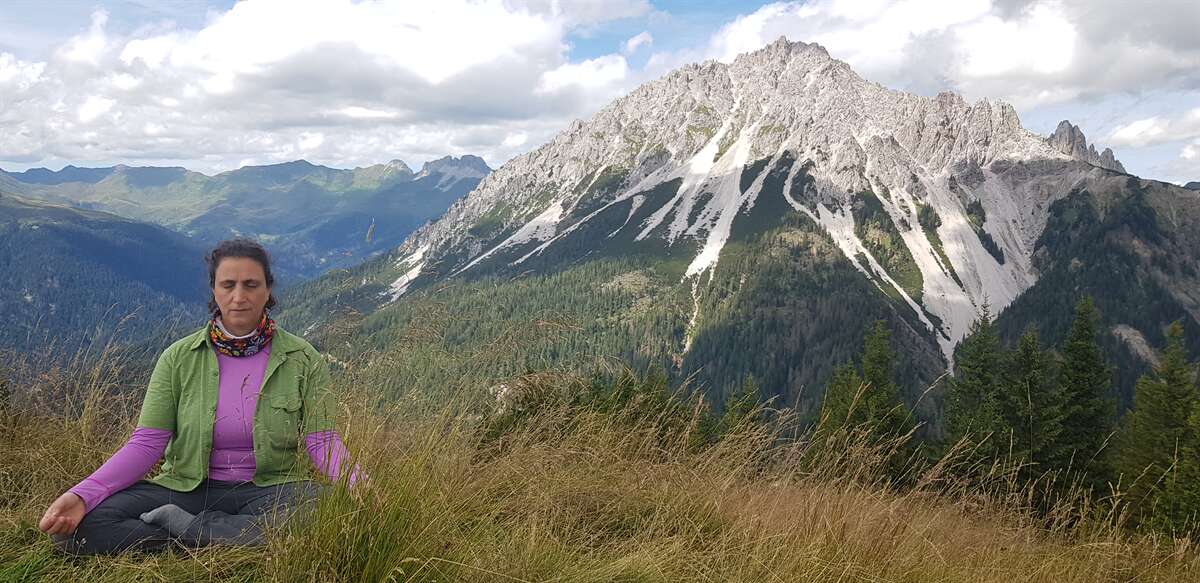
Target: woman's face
[{"x": 241, "y": 292}]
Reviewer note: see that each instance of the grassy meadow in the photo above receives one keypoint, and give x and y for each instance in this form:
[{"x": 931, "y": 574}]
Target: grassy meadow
[{"x": 571, "y": 479}]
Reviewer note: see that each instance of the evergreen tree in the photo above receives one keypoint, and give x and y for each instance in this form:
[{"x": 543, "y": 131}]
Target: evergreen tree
[
  {"x": 1032, "y": 408},
  {"x": 740, "y": 407},
  {"x": 1158, "y": 431},
  {"x": 1183, "y": 493},
  {"x": 841, "y": 408},
  {"x": 882, "y": 399},
  {"x": 972, "y": 407},
  {"x": 1085, "y": 379},
  {"x": 870, "y": 398}
]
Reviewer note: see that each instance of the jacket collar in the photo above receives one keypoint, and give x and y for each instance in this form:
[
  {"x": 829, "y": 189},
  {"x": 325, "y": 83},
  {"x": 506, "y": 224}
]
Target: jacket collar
[{"x": 282, "y": 341}]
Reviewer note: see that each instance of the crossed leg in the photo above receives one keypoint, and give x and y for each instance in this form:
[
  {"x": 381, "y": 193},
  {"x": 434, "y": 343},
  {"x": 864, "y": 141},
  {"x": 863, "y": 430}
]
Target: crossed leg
[{"x": 220, "y": 513}]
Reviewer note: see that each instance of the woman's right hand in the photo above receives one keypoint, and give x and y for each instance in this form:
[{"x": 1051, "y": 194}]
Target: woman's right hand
[{"x": 63, "y": 515}]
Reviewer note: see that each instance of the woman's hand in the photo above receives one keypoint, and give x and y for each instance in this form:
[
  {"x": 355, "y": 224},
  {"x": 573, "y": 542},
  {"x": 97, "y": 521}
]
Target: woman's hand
[{"x": 63, "y": 515}]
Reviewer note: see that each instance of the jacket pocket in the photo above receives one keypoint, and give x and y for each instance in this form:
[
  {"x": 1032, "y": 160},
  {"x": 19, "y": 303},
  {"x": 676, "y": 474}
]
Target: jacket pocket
[{"x": 285, "y": 420}]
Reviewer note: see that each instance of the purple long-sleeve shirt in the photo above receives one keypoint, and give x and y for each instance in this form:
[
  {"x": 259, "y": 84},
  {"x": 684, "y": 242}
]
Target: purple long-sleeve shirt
[{"x": 232, "y": 457}]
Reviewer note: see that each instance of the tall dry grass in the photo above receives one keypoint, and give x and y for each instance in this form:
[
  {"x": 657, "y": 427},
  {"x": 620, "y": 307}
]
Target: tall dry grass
[{"x": 575, "y": 493}]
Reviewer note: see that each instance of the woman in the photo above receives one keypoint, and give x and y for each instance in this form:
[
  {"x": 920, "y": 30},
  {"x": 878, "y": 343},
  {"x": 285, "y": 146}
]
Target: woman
[{"x": 225, "y": 411}]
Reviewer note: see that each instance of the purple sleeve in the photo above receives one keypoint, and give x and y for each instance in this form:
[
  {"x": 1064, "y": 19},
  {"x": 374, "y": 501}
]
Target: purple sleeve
[
  {"x": 328, "y": 453},
  {"x": 144, "y": 448}
]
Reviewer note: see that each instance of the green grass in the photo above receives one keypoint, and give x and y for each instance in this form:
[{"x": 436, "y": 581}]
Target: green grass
[
  {"x": 930, "y": 221},
  {"x": 564, "y": 480},
  {"x": 879, "y": 234}
]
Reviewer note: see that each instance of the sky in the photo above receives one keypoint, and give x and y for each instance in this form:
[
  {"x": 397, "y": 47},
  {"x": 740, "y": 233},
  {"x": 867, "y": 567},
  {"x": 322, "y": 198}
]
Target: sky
[{"x": 213, "y": 86}]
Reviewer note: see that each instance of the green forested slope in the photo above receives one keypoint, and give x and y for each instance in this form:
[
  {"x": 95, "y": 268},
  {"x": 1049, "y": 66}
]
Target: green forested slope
[
  {"x": 783, "y": 307},
  {"x": 1134, "y": 247},
  {"x": 313, "y": 218},
  {"x": 72, "y": 277}
]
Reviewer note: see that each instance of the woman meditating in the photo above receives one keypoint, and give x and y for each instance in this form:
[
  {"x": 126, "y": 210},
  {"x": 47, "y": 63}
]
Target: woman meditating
[{"x": 225, "y": 411}]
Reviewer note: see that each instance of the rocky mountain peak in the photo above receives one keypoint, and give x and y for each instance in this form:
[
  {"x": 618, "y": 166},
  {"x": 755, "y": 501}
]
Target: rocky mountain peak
[
  {"x": 464, "y": 166},
  {"x": 1069, "y": 139},
  {"x": 449, "y": 170},
  {"x": 941, "y": 169},
  {"x": 398, "y": 167}
]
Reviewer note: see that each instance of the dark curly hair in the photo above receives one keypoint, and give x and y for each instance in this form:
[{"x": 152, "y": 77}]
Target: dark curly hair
[{"x": 243, "y": 248}]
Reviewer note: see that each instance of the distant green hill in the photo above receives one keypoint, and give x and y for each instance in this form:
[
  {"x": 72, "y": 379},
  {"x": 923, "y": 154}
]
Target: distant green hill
[
  {"x": 313, "y": 218},
  {"x": 75, "y": 276}
]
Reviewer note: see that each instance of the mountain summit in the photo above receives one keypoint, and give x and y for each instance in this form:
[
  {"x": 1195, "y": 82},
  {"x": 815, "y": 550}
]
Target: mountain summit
[
  {"x": 783, "y": 201},
  {"x": 817, "y": 136},
  {"x": 1069, "y": 139}
]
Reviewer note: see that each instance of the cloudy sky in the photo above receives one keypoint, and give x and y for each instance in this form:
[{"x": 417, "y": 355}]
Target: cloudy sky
[{"x": 217, "y": 85}]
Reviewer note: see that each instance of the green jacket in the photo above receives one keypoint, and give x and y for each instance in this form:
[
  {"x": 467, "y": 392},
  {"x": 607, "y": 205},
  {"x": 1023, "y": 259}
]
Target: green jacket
[{"x": 182, "y": 397}]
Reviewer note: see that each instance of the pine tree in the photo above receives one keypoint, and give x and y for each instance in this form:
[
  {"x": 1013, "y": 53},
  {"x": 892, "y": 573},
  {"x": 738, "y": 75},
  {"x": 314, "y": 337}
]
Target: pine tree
[
  {"x": 740, "y": 407},
  {"x": 972, "y": 407},
  {"x": 871, "y": 398},
  {"x": 841, "y": 407},
  {"x": 1182, "y": 500},
  {"x": 1157, "y": 431},
  {"x": 882, "y": 400},
  {"x": 1032, "y": 408},
  {"x": 1085, "y": 379}
]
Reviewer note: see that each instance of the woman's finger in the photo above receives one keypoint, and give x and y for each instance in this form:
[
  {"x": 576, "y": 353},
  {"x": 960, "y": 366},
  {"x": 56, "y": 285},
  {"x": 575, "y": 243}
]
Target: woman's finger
[{"x": 48, "y": 520}]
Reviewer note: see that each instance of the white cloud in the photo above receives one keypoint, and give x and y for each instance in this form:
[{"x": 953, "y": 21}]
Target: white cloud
[
  {"x": 869, "y": 35},
  {"x": 94, "y": 107},
  {"x": 124, "y": 81},
  {"x": 1157, "y": 130},
  {"x": 342, "y": 82},
  {"x": 515, "y": 139},
  {"x": 1186, "y": 167},
  {"x": 414, "y": 79},
  {"x": 426, "y": 38},
  {"x": 19, "y": 73},
  {"x": 357, "y": 112},
  {"x": 91, "y": 46},
  {"x": 1041, "y": 41},
  {"x": 1028, "y": 52},
  {"x": 584, "y": 12},
  {"x": 310, "y": 140},
  {"x": 591, "y": 74},
  {"x": 641, "y": 39}
]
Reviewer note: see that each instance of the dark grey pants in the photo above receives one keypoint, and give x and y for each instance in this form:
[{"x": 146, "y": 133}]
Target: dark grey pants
[{"x": 234, "y": 513}]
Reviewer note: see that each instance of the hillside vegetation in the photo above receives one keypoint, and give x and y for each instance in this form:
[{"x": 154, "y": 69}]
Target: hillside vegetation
[
  {"x": 558, "y": 477},
  {"x": 75, "y": 277}
]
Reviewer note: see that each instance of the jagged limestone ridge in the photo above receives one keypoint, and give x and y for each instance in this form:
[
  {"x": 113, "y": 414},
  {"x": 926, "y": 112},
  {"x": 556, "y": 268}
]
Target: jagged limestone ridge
[{"x": 704, "y": 122}]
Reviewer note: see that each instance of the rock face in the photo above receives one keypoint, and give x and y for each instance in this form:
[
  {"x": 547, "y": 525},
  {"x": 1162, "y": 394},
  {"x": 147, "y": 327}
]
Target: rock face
[
  {"x": 958, "y": 179},
  {"x": 938, "y": 202},
  {"x": 1192, "y": 185},
  {"x": 773, "y": 208},
  {"x": 453, "y": 169},
  {"x": 1069, "y": 139},
  {"x": 467, "y": 164}
]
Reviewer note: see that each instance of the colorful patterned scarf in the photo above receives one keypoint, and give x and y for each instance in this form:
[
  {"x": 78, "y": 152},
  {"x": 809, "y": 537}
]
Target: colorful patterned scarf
[{"x": 248, "y": 345}]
